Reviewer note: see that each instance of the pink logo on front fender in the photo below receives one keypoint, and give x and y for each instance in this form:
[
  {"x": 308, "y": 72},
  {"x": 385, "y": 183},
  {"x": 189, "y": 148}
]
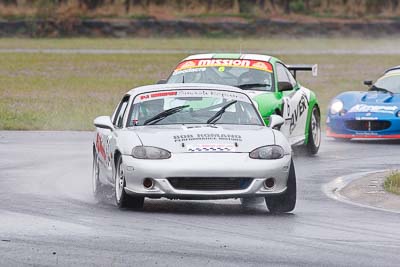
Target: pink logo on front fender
[{"x": 99, "y": 146}]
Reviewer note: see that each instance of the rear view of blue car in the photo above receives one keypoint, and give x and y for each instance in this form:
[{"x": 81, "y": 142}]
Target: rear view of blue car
[{"x": 368, "y": 114}]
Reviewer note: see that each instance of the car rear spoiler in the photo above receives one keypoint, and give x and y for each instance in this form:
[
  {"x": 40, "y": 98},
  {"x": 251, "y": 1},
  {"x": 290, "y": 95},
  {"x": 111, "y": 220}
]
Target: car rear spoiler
[{"x": 295, "y": 68}]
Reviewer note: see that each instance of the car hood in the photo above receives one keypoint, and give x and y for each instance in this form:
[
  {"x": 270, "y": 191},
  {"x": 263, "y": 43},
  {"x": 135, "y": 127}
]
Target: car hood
[
  {"x": 205, "y": 138},
  {"x": 373, "y": 97},
  {"x": 371, "y": 101}
]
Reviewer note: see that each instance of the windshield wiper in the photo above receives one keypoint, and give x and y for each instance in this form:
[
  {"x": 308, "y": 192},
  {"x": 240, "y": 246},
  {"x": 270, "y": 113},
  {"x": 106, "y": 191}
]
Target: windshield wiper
[
  {"x": 219, "y": 113},
  {"x": 250, "y": 85},
  {"x": 164, "y": 114},
  {"x": 374, "y": 88}
]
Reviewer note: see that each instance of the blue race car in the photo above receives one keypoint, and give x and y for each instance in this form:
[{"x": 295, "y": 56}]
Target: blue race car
[{"x": 371, "y": 114}]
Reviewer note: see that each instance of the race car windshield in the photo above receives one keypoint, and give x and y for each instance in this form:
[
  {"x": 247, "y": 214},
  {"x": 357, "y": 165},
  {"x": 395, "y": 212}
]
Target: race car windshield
[
  {"x": 242, "y": 76},
  {"x": 193, "y": 107},
  {"x": 389, "y": 83}
]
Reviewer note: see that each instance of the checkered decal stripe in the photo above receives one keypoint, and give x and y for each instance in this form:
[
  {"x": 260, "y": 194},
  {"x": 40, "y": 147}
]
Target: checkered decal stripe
[{"x": 210, "y": 149}]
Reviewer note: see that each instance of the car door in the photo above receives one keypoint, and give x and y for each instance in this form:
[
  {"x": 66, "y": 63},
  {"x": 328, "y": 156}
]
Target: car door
[
  {"x": 107, "y": 137},
  {"x": 294, "y": 106}
]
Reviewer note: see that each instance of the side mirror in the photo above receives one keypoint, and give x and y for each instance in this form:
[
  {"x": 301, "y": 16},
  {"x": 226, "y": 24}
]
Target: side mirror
[
  {"x": 276, "y": 121},
  {"x": 104, "y": 122},
  {"x": 162, "y": 81},
  {"x": 284, "y": 86},
  {"x": 368, "y": 83}
]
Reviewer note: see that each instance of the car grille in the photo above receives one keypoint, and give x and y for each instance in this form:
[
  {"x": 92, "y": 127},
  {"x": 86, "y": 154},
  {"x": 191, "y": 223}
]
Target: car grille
[
  {"x": 367, "y": 125},
  {"x": 209, "y": 183}
]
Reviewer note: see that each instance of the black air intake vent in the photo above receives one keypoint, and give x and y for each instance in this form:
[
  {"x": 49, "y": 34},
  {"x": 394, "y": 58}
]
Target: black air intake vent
[
  {"x": 367, "y": 125},
  {"x": 209, "y": 183}
]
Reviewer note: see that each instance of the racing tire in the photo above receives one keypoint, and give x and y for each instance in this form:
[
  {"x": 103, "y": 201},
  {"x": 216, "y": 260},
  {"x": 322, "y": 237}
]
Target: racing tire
[
  {"x": 286, "y": 201},
  {"x": 314, "y": 132},
  {"x": 98, "y": 188},
  {"x": 122, "y": 199}
]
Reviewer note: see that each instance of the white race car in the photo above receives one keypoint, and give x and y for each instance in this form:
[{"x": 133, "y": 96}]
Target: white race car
[{"x": 192, "y": 141}]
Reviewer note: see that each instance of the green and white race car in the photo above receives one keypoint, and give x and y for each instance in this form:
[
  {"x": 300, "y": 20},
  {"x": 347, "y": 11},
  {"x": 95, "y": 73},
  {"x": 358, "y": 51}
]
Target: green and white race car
[{"x": 271, "y": 84}]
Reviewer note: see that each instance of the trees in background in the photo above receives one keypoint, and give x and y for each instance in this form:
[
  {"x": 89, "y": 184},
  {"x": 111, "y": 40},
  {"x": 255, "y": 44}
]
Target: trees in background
[{"x": 328, "y": 7}]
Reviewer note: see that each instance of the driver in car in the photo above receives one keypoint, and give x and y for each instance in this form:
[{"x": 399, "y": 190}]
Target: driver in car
[{"x": 255, "y": 77}]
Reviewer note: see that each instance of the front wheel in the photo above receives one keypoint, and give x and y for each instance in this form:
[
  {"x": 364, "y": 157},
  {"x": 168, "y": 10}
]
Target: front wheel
[
  {"x": 314, "y": 132},
  {"x": 122, "y": 199},
  {"x": 285, "y": 202}
]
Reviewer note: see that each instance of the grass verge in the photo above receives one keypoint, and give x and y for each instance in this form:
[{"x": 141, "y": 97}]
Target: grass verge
[
  {"x": 67, "y": 91},
  {"x": 392, "y": 183},
  {"x": 264, "y": 45}
]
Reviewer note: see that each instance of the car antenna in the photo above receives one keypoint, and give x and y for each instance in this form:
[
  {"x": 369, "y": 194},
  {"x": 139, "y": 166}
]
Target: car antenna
[{"x": 183, "y": 78}]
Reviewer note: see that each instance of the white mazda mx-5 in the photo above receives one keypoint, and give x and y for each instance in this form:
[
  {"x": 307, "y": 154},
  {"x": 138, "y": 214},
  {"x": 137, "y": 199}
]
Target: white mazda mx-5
[{"x": 192, "y": 141}]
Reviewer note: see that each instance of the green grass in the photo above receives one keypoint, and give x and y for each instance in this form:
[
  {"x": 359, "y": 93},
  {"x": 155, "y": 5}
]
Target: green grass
[
  {"x": 265, "y": 45},
  {"x": 66, "y": 92},
  {"x": 392, "y": 183}
]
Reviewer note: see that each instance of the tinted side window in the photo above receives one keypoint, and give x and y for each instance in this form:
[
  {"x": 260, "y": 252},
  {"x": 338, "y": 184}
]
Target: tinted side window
[
  {"x": 119, "y": 115},
  {"x": 281, "y": 73},
  {"x": 291, "y": 78}
]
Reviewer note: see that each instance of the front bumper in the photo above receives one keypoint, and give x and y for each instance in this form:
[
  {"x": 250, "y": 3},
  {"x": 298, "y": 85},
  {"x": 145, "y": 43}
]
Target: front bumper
[
  {"x": 350, "y": 125},
  {"x": 330, "y": 133},
  {"x": 205, "y": 165}
]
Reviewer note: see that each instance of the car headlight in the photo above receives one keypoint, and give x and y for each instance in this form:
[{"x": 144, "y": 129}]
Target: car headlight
[
  {"x": 267, "y": 152},
  {"x": 149, "y": 152},
  {"x": 336, "y": 106}
]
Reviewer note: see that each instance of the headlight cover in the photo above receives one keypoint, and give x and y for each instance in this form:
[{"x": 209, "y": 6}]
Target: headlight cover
[
  {"x": 150, "y": 152},
  {"x": 267, "y": 152},
  {"x": 336, "y": 107}
]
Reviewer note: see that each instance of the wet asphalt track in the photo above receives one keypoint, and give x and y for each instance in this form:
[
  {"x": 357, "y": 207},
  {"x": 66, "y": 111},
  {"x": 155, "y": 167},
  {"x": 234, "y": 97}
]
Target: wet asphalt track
[{"x": 48, "y": 216}]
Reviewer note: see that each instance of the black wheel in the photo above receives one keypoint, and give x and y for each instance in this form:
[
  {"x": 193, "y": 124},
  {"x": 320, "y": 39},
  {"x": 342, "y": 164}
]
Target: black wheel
[
  {"x": 286, "y": 201},
  {"x": 98, "y": 188},
  {"x": 314, "y": 132},
  {"x": 123, "y": 199}
]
